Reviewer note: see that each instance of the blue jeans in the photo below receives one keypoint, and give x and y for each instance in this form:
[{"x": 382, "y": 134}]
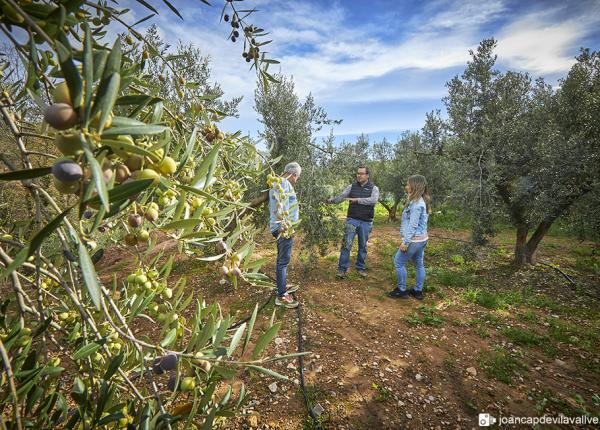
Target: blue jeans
[
  {"x": 362, "y": 229},
  {"x": 284, "y": 255},
  {"x": 415, "y": 253}
]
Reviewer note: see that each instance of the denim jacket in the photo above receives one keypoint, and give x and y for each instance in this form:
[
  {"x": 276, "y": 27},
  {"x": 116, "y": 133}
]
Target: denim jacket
[{"x": 414, "y": 222}]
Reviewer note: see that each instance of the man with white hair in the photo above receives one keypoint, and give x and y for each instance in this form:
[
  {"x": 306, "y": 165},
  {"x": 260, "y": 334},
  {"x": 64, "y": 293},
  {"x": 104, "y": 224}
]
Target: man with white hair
[{"x": 283, "y": 211}]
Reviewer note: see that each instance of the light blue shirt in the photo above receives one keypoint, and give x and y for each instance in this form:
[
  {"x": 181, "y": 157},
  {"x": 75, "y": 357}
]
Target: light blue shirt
[
  {"x": 414, "y": 221},
  {"x": 289, "y": 201}
]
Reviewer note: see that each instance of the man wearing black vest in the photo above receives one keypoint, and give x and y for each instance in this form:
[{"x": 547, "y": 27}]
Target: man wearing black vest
[{"x": 363, "y": 196}]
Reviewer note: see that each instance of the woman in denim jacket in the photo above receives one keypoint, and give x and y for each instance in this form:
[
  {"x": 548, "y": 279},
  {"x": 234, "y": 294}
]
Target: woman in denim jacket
[{"x": 413, "y": 232}]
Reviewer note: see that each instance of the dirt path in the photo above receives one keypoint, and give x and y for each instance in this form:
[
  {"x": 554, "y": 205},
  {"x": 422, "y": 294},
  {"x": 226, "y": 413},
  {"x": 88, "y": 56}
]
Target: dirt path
[{"x": 389, "y": 364}]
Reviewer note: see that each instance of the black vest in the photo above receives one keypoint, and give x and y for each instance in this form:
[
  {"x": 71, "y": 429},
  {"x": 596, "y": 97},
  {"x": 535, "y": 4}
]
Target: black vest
[{"x": 361, "y": 212}]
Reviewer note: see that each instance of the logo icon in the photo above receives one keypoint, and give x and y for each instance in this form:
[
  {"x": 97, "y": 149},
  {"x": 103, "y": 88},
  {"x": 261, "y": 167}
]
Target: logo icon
[{"x": 486, "y": 420}]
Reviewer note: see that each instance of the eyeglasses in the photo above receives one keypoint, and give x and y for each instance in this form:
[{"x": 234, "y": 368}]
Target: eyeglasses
[{"x": 360, "y": 174}]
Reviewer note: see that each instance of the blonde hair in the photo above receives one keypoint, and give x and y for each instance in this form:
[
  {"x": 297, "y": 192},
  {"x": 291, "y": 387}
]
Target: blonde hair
[{"x": 418, "y": 189}]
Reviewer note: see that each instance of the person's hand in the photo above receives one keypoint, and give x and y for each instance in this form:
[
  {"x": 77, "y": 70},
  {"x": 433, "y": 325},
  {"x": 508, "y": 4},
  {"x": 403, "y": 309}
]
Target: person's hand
[
  {"x": 329, "y": 200},
  {"x": 403, "y": 247}
]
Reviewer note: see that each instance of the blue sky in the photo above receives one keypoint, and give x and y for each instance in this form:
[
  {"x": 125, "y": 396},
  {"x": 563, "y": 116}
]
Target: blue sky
[{"x": 380, "y": 65}]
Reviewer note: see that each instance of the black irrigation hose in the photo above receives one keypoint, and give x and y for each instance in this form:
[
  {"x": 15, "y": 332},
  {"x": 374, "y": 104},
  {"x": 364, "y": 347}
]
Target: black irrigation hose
[
  {"x": 301, "y": 371},
  {"x": 300, "y": 348}
]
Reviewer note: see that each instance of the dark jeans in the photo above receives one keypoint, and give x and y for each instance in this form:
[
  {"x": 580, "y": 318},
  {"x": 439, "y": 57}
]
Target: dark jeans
[
  {"x": 362, "y": 229},
  {"x": 284, "y": 255}
]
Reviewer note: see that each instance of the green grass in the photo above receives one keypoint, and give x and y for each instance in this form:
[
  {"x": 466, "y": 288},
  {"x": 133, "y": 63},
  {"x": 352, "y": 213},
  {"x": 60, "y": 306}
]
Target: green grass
[
  {"x": 522, "y": 336},
  {"x": 543, "y": 301},
  {"x": 482, "y": 331},
  {"x": 453, "y": 278},
  {"x": 590, "y": 264},
  {"x": 529, "y": 316},
  {"x": 450, "y": 218},
  {"x": 585, "y": 338},
  {"x": 499, "y": 364},
  {"x": 425, "y": 315}
]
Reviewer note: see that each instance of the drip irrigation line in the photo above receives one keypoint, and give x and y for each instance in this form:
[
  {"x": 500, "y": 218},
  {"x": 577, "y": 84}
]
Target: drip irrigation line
[{"x": 300, "y": 348}]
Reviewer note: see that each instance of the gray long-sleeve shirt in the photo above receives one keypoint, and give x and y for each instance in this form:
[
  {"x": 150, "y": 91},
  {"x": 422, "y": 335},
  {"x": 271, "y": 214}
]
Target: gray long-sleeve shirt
[{"x": 369, "y": 201}]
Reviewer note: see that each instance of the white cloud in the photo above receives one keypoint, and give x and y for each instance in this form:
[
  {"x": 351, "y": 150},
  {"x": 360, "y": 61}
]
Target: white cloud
[
  {"x": 348, "y": 62},
  {"x": 540, "y": 44}
]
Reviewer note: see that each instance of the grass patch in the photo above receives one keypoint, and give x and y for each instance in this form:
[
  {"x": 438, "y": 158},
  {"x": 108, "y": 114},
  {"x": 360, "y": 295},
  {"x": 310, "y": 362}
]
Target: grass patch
[
  {"x": 487, "y": 299},
  {"x": 529, "y": 316},
  {"x": 590, "y": 264},
  {"x": 482, "y": 331},
  {"x": 453, "y": 278},
  {"x": 499, "y": 364},
  {"x": 450, "y": 218},
  {"x": 584, "y": 338},
  {"x": 579, "y": 406},
  {"x": 523, "y": 337},
  {"x": 425, "y": 315},
  {"x": 543, "y": 301}
]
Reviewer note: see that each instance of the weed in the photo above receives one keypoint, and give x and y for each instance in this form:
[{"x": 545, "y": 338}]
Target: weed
[
  {"x": 460, "y": 323},
  {"x": 425, "y": 315},
  {"x": 512, "y": 298},
  {"x": 470, "y": 295},
  {"x": 591, "y": 264},
  {"x": 582, "y": 251},
  {"x": 448, "y": 363},
  {"x": 529, "y": 316},
  {"x": 453, "y": 278},
  {"x": 489, "y": 300},
  {"x": 492, "y": 318},
  {"x": 543, "y": 301},
  {"x": 383, "y": 394},
  {"x": 521, "y": 336},
  {"x": 499, "y": 364},
  {"x": 458, "y": 259},
  {"x": 482, "y": 331}
]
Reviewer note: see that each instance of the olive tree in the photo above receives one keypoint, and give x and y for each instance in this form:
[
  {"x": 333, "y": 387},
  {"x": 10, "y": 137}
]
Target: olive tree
[
  {"x": 530, "y": 147},
  {"x": 289, "y": 128},
  {"x": 125, "y": 162}
]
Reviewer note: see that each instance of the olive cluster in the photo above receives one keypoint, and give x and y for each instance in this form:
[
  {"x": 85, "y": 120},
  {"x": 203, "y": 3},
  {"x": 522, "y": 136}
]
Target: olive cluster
[
  {"x": 286, "y": 225},
  {"x": 23, "y": 339},
  {"x": 168, "y": 363},
  {"x": 211, "y": 132},
  {"x": 231, "y": 267},
  {"x": 124, "y": 163},
  {"x": 48, "y": 284},
  {"x": 148, "y": 281},
  {"x": 231, "y": 191}
]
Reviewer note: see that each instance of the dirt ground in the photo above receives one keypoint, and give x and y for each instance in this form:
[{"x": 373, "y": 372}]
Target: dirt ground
[{"x": 488, "y": 338}]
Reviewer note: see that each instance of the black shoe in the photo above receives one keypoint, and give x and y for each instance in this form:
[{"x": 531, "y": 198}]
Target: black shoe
[
  {"x": 397, "y": 294},
  {"x": 417, "y": 294}
]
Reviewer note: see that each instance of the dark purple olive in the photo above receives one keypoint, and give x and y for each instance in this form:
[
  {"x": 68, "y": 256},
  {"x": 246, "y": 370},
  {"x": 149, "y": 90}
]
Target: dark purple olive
[
  {"x": 169, "y": 362},
  {"x": 67, "y": 171},
  {"x": 135, "y": 220},
  {"x": 171, "y": 385},
  {"x": 156, "y": 368},
  {"x": 87, "y": 214}
]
